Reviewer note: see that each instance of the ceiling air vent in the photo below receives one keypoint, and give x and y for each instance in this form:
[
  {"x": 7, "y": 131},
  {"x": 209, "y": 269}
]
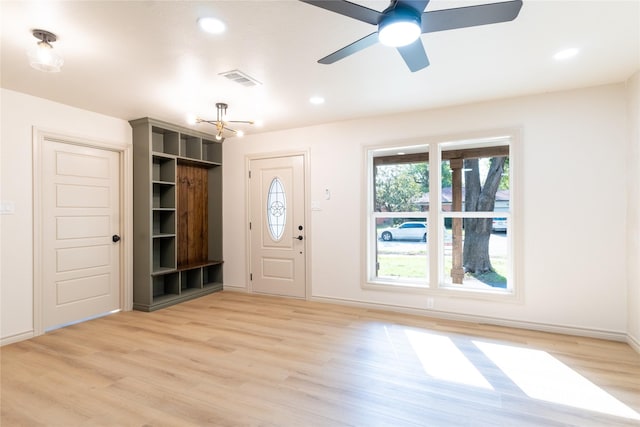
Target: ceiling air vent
[{"x": 241, "y": 78}]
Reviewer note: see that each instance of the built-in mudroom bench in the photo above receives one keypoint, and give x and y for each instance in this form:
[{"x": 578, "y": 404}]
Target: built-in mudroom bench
[{"x": 177, "y": 192}]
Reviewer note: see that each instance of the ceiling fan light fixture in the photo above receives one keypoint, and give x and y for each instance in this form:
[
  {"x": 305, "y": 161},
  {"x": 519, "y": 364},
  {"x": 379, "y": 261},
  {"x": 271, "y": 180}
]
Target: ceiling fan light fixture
[
  {"x": 403, "y": 21},
  {"x": 399, "y": 27},
  {"x": 43, "y": 57}
]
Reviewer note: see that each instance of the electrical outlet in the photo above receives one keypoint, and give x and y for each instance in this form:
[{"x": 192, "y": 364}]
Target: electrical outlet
[
  {"x": 430, "y": 302},
  {"x": 7, "y": 207}
]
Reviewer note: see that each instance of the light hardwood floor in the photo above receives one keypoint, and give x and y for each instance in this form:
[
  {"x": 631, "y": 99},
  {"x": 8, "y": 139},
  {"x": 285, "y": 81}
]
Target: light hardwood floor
[{"x": 231, "y": 359}]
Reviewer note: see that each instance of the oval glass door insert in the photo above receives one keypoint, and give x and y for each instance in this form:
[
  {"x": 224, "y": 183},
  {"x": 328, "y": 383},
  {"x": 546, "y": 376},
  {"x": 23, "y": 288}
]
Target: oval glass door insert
[{"x": 276, "y": 209}]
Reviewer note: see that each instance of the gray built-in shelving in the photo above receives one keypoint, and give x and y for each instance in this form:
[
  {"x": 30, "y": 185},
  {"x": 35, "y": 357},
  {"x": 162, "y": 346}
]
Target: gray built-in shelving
[{"x": 177, "y": 191}]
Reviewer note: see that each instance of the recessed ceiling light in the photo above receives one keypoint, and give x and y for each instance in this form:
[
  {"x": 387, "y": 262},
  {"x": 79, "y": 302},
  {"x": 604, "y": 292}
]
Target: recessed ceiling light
[
  {"x": 566, "y": 54},
  {"x": 212, "y": 25},
  {"x": 401, "y": 153},
  {"x": 316, "y": 100}
]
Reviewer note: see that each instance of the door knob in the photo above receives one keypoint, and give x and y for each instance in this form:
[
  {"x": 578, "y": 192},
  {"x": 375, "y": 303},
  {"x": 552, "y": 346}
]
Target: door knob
[
  {"x": 115, "y": 238},
  {"x": 299, "y": 238}
]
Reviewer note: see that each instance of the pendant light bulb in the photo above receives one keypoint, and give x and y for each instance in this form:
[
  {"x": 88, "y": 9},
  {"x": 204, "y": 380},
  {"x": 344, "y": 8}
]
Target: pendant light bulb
[{"x": 192, "y": 119}]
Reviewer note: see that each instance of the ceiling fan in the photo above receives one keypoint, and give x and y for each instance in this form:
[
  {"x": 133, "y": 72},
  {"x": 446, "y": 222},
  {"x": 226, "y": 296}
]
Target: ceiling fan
[
  {"x": 221, "y": 123},
  {"x": 401, "y": 24}
]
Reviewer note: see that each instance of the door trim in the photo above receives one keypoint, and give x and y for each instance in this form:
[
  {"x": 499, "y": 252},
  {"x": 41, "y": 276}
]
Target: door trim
[
  {"x": 307, "y": 217},
  {"x": 125, "y": 152}
]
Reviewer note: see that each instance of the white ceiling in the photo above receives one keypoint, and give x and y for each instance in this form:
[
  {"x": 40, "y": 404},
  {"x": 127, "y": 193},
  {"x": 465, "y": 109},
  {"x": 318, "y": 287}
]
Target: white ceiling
[{"x": 131, "y": 59}]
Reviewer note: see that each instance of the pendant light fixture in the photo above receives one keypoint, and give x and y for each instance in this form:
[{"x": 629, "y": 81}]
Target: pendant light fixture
[
  {"x": 221, "y": 123},
  {"x": 43, "y": 57}
]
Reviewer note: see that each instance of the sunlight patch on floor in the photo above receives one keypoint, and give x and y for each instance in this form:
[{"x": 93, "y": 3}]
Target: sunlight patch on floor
[
  {"x": 542, "y": 376},
  {"x": 442, "y": 359}
]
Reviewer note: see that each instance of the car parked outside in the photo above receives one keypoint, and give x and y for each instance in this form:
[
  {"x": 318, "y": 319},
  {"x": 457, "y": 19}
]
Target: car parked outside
[
  {"x": 410, "y": 230},
  {"x": 499, "y": 224}
]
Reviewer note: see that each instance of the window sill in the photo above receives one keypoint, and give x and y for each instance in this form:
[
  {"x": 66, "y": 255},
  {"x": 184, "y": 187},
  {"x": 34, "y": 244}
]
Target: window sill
[
  {"x": 503, "y": 296},
  {"x": 446, "y": 291},
  {"x": 381, "y": 285}
]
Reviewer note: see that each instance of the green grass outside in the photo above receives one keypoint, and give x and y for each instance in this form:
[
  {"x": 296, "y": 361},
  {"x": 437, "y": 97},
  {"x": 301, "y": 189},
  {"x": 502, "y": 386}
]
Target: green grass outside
[
  {"x": 408, "y": 266},
  {"x": 402, "y": 266}
]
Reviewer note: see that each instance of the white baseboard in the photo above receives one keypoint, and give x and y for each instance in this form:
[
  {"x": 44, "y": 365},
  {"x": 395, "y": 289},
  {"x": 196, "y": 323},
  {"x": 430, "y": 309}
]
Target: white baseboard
[
  {"x": 16, "y": 338},
  {"x": 535, "y": 326},
  {"x": 234, "y": 288},
  {"x": 633, "y": 342}
]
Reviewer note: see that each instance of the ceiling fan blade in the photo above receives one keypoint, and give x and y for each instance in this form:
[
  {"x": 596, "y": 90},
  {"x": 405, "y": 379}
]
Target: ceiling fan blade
[
  {"x": 470, "y": 16},
  {"x": 414, "y": 56},
  {"x": 354, "y": 47},
  {"x": 349, "y": 9},
  {"x": 418, "y": 5}
]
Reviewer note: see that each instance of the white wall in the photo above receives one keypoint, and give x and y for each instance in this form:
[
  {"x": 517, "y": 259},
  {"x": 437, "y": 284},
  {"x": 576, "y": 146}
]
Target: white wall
[
  {"x": 572, "y": 234},
  {"x": 575, "y": 189},
  {"x": 633, "y": 211},
  {"x": 19, "y": 114}
]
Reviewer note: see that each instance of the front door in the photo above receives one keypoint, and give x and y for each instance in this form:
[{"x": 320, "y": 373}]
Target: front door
[
  {"x": 277, "y": 226},
  {"x": 80, "y": 232}
]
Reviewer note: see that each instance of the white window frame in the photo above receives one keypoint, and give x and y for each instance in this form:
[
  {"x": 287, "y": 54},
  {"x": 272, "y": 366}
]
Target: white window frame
[
  {"x": 372, "y": 216},
  {"x": 435, "y": 284}
]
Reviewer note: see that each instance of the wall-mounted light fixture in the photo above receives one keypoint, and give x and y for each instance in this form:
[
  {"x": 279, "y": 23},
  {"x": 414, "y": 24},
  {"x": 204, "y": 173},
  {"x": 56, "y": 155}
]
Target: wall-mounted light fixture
[{"x": 43, "y": 57}]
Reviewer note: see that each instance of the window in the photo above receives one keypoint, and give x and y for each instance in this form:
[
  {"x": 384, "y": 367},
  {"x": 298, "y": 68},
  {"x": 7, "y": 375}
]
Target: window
[
  {"x": 399, "y": 253},
  {"x": 475, "y": 205},
  {"x": 276, "y": 209},
  {"x": 460, "y": 213}
]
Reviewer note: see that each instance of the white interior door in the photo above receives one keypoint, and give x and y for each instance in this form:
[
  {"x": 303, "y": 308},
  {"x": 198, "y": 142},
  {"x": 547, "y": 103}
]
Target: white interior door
[
  {"x": 80, "y": 232},
  {"x": 277, "y": 226}
]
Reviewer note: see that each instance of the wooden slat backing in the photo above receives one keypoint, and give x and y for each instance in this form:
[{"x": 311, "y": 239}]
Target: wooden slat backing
[{"x": 193, "y": 229}]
